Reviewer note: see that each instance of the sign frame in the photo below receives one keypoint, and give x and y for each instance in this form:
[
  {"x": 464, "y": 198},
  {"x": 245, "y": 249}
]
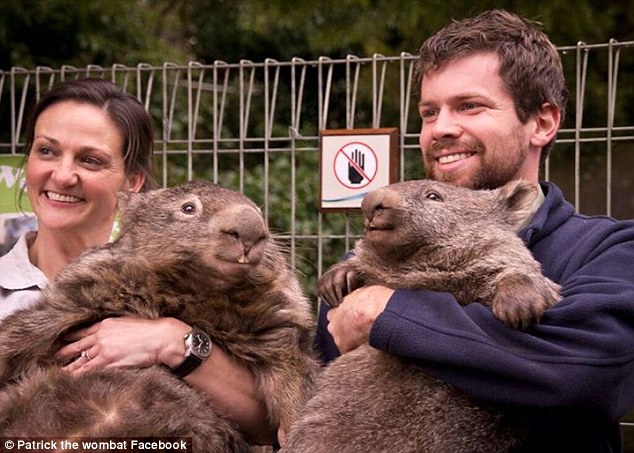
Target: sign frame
[{"x": 333, "y": 144}]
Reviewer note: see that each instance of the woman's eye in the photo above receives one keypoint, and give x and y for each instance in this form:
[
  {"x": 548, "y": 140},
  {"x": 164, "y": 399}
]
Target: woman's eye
[
  {"x": 433, "y": 196},
  {"x": 44, "y": 151},
  {"x": 92, "y": 161},
  {"x": 188, "y": 208}
]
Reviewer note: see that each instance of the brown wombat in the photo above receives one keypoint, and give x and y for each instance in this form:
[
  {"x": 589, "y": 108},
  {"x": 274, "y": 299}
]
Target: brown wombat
[
  {"x": 197, "y": 252},
  {"x": 115, "y": 405},
  {"x": 425, "y": 235}
]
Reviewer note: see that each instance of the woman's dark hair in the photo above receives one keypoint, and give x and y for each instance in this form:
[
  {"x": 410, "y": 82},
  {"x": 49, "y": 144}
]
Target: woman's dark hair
[{"x": 125, "y": 111}]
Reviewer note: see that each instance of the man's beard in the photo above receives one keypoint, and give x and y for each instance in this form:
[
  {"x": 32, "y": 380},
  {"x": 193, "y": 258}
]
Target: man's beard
[{"x": 491, "y": 173}]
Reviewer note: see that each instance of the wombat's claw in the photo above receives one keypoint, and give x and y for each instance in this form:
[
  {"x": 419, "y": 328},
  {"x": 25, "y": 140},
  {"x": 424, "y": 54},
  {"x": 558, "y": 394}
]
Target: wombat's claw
[
  {"x": 517, "y": 317},
  {"x": 335, "y": 284},
  {"x": 521, "y": 302}
]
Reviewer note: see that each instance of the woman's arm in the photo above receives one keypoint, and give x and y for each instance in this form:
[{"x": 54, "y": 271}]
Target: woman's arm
[{"x": 130, "y": 342}]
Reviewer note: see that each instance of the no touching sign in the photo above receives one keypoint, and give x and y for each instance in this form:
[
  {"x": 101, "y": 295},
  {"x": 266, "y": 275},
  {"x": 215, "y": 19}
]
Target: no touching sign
[
  {"x": 355, "y": 165},
  {"x": 354, "y": 162}
]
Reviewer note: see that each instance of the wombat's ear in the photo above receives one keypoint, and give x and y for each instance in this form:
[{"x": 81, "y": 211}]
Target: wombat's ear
[
  {"x": 125, "y": 198},
  {"x": 518, "y": 197}
]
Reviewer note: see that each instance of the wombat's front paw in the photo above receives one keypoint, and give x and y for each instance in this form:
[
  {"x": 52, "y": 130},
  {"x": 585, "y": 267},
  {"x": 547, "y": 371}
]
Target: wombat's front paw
[
  {"x": 521, "y": 300},
  {"x": 339, "y": 280}
]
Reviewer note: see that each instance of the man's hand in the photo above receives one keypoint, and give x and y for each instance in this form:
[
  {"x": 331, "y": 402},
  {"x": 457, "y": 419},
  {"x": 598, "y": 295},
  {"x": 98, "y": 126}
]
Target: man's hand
[{"x": 350, "y": 323}]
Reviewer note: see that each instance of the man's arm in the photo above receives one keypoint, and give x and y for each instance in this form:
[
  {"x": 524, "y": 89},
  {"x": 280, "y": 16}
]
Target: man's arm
[{"x": 581, "y": 355}]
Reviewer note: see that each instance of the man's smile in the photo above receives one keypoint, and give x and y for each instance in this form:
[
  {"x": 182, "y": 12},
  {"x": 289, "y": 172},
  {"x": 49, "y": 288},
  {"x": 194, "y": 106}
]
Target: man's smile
[{"x": 450, "y": 158}]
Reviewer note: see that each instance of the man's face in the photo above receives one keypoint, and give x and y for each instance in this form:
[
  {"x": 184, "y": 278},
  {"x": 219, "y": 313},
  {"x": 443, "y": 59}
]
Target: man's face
[{"x": 471, "y": 134}]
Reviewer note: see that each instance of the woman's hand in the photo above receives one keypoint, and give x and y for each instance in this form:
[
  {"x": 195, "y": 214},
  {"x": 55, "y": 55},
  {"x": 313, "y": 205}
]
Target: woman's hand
[{"x": 125, "y": 342}]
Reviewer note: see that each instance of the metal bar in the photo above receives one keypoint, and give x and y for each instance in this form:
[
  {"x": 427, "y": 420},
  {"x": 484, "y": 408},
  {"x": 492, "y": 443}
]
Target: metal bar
[
  {"x": 352, "y": 87},
  {"x": 18, "y": 116},
  {"x": 270, "y": 98},
  {"x": 324, "y": 91},
  {"x": 378, "y": 87},
  {"x": 582, "y": 66},
  {"x": 613, "y": 72},
  {"x": 406, "y": 77}
]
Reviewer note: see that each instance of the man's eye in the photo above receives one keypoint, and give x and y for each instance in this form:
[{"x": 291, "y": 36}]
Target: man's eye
[
  {"x": 470, "y": 106},
  {"x": 429, "y": 115}
]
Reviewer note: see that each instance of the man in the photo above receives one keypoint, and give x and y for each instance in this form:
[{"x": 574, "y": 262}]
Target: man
[{"x": 492, "y": 98}]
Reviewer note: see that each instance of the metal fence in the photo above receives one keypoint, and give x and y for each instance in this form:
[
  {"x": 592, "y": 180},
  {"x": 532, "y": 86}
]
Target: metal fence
[{"x": 254, "y": 126}]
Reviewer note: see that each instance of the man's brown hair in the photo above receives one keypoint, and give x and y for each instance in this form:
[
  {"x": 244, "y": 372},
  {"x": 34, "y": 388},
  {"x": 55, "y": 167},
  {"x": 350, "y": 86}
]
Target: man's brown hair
[{"x": 530, "y": 65}]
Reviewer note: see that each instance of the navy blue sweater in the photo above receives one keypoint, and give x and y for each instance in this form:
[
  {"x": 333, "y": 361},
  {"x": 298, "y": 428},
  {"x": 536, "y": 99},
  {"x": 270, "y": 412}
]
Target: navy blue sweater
[{"x": 572, "y": 375}]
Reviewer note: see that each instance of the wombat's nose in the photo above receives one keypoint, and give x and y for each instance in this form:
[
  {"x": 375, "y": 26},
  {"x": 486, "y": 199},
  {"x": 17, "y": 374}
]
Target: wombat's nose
[
  {"x": 245, "y": 224},
  {"x": 375, "y": 204}
]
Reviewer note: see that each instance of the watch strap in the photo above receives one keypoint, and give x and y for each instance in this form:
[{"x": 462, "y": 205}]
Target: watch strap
[{"x": 187, "y": 366}]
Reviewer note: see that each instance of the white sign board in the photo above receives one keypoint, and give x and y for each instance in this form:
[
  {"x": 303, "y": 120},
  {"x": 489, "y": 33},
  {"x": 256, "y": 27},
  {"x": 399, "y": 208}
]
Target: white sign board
[{"x": 354, "y": 162}]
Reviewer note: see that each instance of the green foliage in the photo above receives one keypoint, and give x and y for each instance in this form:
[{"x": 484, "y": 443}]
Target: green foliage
[
  {"x": 80, "y": 33},
  {"x": 257, "y": 29},
  {"x": 55, "y": 32}
]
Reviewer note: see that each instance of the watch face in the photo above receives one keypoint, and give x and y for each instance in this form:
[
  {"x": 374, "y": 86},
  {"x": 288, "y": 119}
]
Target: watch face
[{"x": 201, "y": 344}]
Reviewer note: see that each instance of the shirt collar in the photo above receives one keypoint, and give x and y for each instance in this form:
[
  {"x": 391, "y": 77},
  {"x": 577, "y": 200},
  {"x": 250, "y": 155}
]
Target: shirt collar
[{"x": 17, "y": 271}]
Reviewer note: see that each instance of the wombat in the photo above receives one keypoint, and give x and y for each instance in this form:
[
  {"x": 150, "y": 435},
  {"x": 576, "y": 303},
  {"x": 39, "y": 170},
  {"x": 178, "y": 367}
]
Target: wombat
[
  {"x": 426, "y": 235},
  {"x": 115, "y": 405},
  {"x": 197, "y": 252}
]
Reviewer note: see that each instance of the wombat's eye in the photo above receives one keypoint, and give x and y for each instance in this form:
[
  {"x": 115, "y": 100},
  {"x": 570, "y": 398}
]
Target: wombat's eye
[
  {"x": 188, "y": 208},
  {"x": 433, "y": 196}
]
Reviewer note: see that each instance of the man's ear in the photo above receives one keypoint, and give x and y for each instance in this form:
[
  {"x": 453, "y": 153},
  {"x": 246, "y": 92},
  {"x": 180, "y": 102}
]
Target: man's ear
[
  {"x": 518, "y": 197},
  {"x": 547, "y": 121}
]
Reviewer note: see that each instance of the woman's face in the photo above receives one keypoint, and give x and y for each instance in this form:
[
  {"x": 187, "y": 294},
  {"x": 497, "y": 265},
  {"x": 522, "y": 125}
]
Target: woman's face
[{"x": 74, "y": 168}]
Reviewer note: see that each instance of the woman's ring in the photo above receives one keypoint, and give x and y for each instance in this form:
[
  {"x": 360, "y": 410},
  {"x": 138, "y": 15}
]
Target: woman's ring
[{"x": 85, "y": 354}]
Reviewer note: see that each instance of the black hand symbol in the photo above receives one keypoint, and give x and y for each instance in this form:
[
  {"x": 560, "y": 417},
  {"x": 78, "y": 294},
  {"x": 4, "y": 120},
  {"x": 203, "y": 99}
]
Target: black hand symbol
[{"x": 354, "y": 176}]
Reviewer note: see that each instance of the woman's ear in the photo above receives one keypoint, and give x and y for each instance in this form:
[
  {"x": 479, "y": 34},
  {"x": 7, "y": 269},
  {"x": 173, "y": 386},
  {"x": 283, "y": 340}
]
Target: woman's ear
[
  {"x": 135, "y": 182},
  {"x": 547, "y": 121}
]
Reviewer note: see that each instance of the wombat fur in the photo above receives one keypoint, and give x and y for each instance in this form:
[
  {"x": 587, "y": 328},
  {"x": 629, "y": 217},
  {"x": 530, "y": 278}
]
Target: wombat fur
[
  {"x": 425, "y": 235},
  {"x": 197, "y": 252},
  {"x": 115, "y": 405}
]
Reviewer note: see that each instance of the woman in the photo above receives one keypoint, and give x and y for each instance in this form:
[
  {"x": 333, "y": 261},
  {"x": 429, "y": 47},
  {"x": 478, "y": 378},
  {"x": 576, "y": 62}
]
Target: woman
[{"x": 86, "y": 140}]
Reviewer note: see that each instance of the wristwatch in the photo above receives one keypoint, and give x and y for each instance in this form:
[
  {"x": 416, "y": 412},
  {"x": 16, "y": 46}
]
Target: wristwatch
[{"x": 198, "y": 346}]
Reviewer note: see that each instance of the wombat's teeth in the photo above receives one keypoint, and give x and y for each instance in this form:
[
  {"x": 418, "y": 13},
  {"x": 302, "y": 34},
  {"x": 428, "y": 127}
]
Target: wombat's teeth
[
  {"x": 453, "y": 158},
  {"x": 61, "y": 197},
  {"x": 243, "y": 260}
]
